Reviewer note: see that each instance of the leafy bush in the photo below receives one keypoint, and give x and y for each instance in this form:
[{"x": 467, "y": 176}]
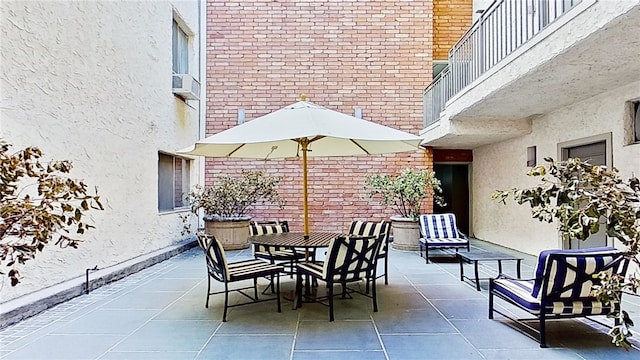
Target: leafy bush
[
  {"x": 235, "y": 197},
  {"x": 38, "y": 205},
  {"x": 405, "y": 192}
]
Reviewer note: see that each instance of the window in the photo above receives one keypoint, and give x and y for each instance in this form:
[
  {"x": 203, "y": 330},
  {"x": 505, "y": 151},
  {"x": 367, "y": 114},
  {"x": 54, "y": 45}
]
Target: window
[
  {"x": 180, "y": 46},
  {"x": 173, "y": 182},
  {"x": 438, "y": 66},
  {"x": 636, "y": 121},
  {"x": 595, "y": 149}
]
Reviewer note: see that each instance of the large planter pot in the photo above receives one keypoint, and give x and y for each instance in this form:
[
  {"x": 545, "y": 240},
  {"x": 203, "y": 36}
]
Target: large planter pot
[
  {"x": 232, "y": 233},
  {"x": 406, "y": 233}
]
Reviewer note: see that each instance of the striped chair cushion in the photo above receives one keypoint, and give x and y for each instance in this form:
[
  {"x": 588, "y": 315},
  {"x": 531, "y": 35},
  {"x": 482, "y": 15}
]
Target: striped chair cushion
[
  {"x": 248, "y": 269},
  {"x": 443, "y": 242},
  {"x": 440, "y": 229},
  {"x": 277, "y": 253},
  {"x": 555, "y": 266},
  {"x": 353, "y": 257},
  {"x": 316, "y": 268},
  {"x": 520, "y": 291},
  {"x": 371, "y": 228},
  {"x": 217, "y": 260},
  {"x": 348, "y": 259},
  {"x": 263, "y": 229},
  {"x": 271, "y": 227}
]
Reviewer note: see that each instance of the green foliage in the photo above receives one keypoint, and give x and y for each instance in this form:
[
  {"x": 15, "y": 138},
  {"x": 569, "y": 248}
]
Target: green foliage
[
  {"x": 38, "y": 204},
  {"x": 406, "y": 191},
  {"x": 233, "y": 197},
  {"x": 582, "y": 197}
]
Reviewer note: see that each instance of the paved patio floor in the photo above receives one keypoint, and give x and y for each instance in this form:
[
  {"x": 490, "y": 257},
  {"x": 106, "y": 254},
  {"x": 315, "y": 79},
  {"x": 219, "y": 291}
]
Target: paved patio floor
[{"x": 425, "y": 312}]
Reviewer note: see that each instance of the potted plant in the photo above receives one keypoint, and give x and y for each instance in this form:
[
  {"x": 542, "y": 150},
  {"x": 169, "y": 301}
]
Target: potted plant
[
  {"x": 228, "y": 202},
  {"x": 582, "y": 198},
  {"x": 405, "y": 193}
]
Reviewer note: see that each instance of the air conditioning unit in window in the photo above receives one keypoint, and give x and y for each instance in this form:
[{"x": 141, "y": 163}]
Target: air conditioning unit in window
[{"x": 185, "y": 86}]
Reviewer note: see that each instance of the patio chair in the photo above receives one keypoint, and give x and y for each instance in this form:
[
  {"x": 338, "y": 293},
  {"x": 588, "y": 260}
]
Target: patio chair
[
  {"x": 220, "y": 270},
  {"x": 439, "y": 231},
  {"x": 561, "y": 287},
  {"x": 285, "y": 256},
  {"x": 349, "y": 259},
  {"x": 370, "y": 228}
]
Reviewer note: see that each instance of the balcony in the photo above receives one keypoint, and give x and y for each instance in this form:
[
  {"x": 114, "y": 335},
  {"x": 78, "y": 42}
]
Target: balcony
[{"x": 524, "y": 58}]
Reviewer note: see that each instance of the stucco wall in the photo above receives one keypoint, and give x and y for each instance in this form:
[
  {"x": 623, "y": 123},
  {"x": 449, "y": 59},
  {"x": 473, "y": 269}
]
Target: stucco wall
[
  {"x": 503, "y": 166},
  {"x": 90, "y": 82}
]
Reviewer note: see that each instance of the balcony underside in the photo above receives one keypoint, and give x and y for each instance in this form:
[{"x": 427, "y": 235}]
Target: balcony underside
[{"x": 545, "y": 77}]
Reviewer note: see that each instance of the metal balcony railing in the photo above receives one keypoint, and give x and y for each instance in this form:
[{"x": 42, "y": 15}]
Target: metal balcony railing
[{"x": 501, "y": 29}]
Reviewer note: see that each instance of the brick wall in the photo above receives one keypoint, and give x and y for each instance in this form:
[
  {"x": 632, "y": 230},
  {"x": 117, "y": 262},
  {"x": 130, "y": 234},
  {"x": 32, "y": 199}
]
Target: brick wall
[
  {"x": 375, "y": 55},
  {"x": 451, "y": 19}
]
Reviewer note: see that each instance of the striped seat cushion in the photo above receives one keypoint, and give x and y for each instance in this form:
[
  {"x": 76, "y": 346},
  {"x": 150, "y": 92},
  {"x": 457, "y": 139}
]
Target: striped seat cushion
[
  {"x": 519, "y": 291},
  {"x": 557, "y": 268},
  {"x": 250, "y": 268},
  {"x": 278, "y": 253},
  {"x": 315, "y": 268},
  {"x": 567, "y": 279},
  {"x": 443, "y": 242}
]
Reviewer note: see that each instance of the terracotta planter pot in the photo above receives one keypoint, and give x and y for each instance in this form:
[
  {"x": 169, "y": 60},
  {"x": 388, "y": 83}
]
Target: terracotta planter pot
[
  {"x": 231, "y": 233},
  {"x": 406, "y": 233}
]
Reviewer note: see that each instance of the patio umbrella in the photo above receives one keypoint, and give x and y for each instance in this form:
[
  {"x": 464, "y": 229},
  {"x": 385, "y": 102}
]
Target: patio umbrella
[{"x": 304, "y": 129}]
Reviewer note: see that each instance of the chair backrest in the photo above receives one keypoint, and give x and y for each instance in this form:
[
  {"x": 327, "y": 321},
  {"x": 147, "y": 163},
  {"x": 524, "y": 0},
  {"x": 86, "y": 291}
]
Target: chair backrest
[
  {"x": 371, "y": 228},
  {"x": 350, "y": 258},
  {"x": 214, "y": 256},
  {"x": 439, "y": 226},
  {"x": 268, "y": 227},
  {"x": 568, "y": 274}
]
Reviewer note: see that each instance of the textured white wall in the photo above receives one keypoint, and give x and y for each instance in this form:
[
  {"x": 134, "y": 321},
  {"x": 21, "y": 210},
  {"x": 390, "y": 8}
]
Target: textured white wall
[
  {"x": 90, "y": 82},
  {"x": 503, "y": 166}
]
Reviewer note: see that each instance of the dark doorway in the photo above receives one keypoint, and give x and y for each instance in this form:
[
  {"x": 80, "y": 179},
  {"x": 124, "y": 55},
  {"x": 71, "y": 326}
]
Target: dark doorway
[{"x": 455, "y": 190}]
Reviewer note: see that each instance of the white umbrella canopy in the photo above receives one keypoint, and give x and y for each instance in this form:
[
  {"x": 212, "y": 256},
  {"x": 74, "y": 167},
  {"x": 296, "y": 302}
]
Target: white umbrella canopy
[{"x": 304, "y": 129}]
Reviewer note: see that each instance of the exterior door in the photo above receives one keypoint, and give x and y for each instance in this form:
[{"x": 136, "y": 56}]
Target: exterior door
[
  {"x": 455, "y": 190},
  {"x": 595, "y": 154}
]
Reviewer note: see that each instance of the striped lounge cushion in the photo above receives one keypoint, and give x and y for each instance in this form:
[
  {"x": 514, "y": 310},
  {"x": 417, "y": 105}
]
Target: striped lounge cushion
[
  {"x": 443, "y": 242},
  {"x": 562, "y": 275},
  {"x": 519, "y": 291},
  {"x": 440, "y": 230}
]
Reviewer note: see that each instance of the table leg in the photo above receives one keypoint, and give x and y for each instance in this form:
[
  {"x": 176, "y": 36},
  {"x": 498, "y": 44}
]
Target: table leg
[
  {"x": 499, "y": 266},
  {"x": 475, "y": 269},
  {"x": 518, "y": 267},
  {"x": 461, "y": 269}
]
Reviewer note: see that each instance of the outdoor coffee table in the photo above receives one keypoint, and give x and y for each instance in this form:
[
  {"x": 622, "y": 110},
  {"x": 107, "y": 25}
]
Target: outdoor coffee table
[{"x": 476, "y": 257}]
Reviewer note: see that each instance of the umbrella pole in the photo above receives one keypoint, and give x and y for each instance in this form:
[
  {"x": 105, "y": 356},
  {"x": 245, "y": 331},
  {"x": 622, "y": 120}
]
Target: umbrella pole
[{"x": 305, "y": 143}]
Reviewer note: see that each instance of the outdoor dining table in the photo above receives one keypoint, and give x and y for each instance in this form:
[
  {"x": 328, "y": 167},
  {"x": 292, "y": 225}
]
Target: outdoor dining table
[{"x": 296, "y": 240}]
